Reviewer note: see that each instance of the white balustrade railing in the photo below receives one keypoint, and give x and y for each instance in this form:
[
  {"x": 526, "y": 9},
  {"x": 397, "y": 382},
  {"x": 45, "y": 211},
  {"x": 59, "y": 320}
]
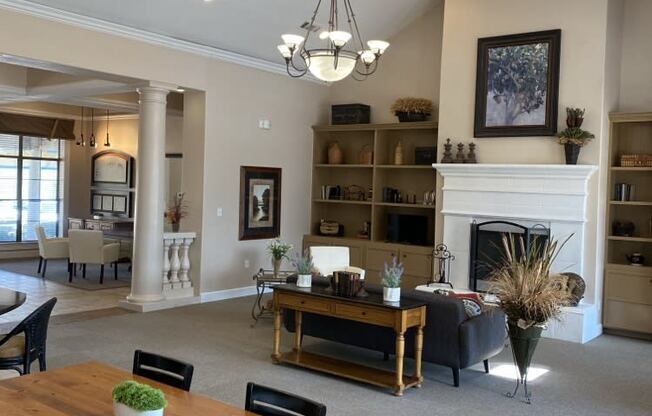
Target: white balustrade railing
[{"x": 176, "y": 260}]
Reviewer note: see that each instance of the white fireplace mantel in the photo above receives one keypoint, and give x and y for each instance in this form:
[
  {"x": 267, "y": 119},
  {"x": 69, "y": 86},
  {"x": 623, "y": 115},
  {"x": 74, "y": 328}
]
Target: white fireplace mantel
[{"x": 553, "y": 195}]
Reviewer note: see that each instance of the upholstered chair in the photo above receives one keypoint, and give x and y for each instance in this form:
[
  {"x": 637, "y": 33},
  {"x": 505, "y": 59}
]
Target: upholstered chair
[
  {"x": 89, "y": 247},
  {"x": 49, "y": 248},
  {"x": 328, "y": 259}
]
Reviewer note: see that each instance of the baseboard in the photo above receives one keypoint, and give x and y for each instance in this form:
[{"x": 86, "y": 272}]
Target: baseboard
[
  {"x": 160, "y": 305},
  {"x": 237, "y": 292}
]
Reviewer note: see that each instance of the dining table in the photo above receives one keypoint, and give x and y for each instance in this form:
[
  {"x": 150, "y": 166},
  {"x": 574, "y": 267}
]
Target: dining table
[
  {"x": 85, "y": 390},
  {"x": 10, "y": 299}
]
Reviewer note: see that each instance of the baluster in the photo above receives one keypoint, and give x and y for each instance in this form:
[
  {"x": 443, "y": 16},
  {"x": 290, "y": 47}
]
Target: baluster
[
  {"x": 174, "y": 262},
  {"x": 166, "y": 261},
  {"x": 185, "y": 262}
]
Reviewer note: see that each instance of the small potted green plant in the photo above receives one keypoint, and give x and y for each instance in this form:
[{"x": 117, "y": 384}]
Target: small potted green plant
[
  {"x": 574, "y": 137},
  {"x": 412, "y": 109},
  {"x": 304, "y": 265},
  {"x": 391, "y": 278},
  {"x": 131, "y": 398},
  {"x": 278, "y": 250}
]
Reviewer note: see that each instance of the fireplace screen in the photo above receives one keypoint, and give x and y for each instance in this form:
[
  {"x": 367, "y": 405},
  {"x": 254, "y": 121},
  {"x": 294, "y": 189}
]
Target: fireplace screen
[{"x": 486, "y": 251}]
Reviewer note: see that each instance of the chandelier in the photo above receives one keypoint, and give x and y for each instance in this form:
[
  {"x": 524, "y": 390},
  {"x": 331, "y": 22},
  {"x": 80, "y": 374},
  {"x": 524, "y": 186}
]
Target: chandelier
[{"x": 338, "y": 57}]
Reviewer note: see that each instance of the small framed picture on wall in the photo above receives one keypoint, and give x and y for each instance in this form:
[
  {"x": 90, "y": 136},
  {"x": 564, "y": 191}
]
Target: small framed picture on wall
[
  {"x": 517, "y": 85},
  {"x": 260, "y": 202}
]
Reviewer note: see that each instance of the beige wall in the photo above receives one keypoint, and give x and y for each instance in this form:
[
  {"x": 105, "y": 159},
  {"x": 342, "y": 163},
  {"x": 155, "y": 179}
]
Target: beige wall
[
  {"x": 409, "y": 68},
  {"x": 588, "y": 79},
  {"x": 235, "y": 98},
  {"x": 636, "y": 68}
]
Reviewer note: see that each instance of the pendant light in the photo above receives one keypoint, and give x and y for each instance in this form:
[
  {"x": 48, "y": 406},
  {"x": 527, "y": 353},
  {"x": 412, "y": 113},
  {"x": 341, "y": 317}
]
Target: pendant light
[
  {"x": 107, "y": 143},
  {"x": 91, "y": 140},
  {"x": 81, "y": 141},
  {"x": 340, "y": 54}
]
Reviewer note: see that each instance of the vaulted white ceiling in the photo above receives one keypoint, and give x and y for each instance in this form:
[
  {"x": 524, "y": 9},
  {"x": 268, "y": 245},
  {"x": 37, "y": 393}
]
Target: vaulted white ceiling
[{"x": 247, "y": 27}]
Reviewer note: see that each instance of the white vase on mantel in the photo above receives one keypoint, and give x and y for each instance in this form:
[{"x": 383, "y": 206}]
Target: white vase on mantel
[
  {"x": 120, "y": 409},
  {"x": 304, "y": 280},
  {"x": 392, "y": 294}
]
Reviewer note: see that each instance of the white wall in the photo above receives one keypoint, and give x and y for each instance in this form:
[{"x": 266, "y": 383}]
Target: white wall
[
  {"x": 410, "y": 67},
  {"x": 636, "y": 66},
  {"x": 235, "y": 97}
]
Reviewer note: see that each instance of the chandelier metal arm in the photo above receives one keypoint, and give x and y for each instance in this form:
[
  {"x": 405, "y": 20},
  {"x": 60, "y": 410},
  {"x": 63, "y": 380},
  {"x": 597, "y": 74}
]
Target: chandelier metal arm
[{"x": 351, "y": 17}]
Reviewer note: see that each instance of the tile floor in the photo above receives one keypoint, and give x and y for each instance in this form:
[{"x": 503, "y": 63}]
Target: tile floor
[{"x": 70, "y": 300}]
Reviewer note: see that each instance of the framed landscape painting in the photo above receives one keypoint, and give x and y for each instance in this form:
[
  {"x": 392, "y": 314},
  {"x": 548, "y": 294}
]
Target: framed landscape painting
[
  {"x": 260, "y": 202},
  {"x": 517, "y": 85}
]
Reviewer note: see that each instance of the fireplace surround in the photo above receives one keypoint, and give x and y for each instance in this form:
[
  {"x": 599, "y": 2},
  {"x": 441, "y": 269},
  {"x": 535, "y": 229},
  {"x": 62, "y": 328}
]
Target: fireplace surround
[{"x": 554, "y": 196}]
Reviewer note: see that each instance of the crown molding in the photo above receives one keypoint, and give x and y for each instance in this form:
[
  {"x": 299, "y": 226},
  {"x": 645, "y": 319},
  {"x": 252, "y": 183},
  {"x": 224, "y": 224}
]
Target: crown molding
[{"x": 98, "y": 25}]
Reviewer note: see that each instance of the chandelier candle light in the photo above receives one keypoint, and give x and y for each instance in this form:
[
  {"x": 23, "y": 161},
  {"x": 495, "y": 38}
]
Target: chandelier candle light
[{"x": 337, "y": 59}]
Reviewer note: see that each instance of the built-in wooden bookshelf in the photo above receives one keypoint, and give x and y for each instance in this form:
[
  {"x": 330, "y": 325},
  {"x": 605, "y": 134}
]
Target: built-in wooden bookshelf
[
  {"x": 409, "y": 178},
  {"x": 628, "y": 288}
]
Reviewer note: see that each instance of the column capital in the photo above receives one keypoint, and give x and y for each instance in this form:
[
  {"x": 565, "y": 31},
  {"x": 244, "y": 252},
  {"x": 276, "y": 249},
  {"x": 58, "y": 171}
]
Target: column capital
[{"x": 153, "y": 94}]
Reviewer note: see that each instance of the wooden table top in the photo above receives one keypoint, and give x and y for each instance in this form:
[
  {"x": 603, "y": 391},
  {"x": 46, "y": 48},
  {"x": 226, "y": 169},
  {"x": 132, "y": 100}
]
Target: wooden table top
[
  {"x": 85, "y": 389},
  {"x": 10, "y": 299}
]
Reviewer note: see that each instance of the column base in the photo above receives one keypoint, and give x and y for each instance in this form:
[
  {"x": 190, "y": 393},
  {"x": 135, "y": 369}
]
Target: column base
[{"x": 158, "y": 305}]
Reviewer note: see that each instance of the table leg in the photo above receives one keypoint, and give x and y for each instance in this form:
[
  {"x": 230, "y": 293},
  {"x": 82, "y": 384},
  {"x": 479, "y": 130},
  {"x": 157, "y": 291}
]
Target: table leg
[
  {"x": 276, "y": 355},
  {"x": 298, "y": 320},
  {"x": 418, "y": 346},
  {"x": 256, "y": 303},
  {"x": 400, "y": 351}
]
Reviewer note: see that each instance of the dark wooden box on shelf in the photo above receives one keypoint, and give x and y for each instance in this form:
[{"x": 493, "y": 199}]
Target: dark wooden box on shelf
[
  {"x": 409, "y": 177},
  {"x": 628, "y": 287}
]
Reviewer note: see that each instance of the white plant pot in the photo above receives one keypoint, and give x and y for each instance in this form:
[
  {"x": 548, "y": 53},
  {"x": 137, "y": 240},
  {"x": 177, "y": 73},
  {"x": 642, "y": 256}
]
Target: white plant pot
[
  {"x": 392, "y": 294},
  {"x": 304, "y": 280},
  {"x": 120, "y": 409}
]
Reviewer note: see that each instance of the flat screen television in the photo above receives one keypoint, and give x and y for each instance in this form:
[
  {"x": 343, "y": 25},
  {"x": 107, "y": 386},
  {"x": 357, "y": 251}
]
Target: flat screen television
[{"x": 410, "y": 229}]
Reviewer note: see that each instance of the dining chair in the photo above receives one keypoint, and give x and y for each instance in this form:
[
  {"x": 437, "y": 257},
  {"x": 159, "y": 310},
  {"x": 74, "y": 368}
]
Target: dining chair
[
  {"x": 266, "y": 401},
  {"x": 49, "y": 248},
  {"x": 89, "y": 247},
  {"x": 26, "y": 342},
  {"x": 166, "y": 370}
]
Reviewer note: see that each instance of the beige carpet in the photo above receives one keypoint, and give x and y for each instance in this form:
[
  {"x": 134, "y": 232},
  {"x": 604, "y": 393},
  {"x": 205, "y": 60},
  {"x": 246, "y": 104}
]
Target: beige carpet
[{"x": 608, "y": 376}]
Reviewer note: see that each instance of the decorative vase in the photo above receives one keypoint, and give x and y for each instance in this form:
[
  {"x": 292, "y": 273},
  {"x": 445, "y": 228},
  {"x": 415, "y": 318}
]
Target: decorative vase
[
  {"x": 366, "y": 155},
  {"x": 335, "y": 156},
  {"x": 572, "y": 153},
  {"x": 524, "y": 342},
  {"x": 404, "y": 116},
  {"x": 276, "y": 265},
  {"x": 391, "y": 294},
  {"x": 175, "y": 227},
  {"x": 304, "y": 280},
  {"x": 120, "y": 409},
  {"x": 398, "y": 153}
]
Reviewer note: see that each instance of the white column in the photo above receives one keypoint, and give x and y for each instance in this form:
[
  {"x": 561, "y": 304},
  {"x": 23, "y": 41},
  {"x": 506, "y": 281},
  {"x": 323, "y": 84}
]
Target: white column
[{"x": 146, "y": 284}]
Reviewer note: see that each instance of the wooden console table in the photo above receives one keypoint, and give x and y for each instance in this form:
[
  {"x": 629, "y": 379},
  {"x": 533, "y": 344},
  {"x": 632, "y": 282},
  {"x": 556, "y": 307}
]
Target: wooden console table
[{"x": 370, "y": 310}]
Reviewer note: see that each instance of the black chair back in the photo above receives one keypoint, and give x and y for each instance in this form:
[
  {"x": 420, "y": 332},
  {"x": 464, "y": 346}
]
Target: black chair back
[
  {"x": 35, "y": 327},
  {"x": 163, "y": 369},
  {"x": 266, "y": 401}
]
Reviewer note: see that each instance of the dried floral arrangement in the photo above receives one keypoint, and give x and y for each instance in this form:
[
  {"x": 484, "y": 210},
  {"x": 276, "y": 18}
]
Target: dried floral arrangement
[
  {"x": 574, "y": 134},
  {"x": 392, "y": 274},
  {"x": 527, "y": 292},
  {"x": 177, "y": 209},
  {"x": 412, "y": 105},
  {"x": 303, "y": 262}
]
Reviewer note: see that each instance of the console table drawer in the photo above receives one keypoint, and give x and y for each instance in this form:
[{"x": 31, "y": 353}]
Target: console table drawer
[
  {"x": 365, "y": 314},
  {"x": 303, "y": 303}
]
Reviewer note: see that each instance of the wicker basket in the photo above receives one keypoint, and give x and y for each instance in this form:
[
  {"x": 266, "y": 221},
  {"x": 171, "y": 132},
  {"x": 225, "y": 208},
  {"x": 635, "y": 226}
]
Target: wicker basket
[{"x": 636, "y": 161}]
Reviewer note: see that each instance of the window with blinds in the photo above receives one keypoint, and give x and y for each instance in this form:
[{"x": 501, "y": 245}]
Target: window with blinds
[{"x": 31, "y": 186}]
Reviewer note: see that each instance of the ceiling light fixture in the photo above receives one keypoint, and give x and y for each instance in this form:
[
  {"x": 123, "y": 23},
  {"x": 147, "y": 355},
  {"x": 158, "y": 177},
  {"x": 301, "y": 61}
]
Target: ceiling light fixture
[
  {"x": 107, "y": 143},
  {"x": 81, "y": 141},
  {"x": 91, "y": 139},
  {"x": 333, "y": 62}
]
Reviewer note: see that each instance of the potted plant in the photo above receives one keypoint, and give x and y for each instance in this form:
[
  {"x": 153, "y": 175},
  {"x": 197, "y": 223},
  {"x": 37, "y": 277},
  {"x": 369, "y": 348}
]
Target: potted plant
[
  {"x": 278, "y": 251},
  {"x": 176, "y": 211},
  {"x": 304, "y": 266},
  {"x": 131, "y": 398},
  {"x": 391, "y": 277},
  {"x": 574, "y": 137},
  {"x": 529, "y": 296},
  {"x": 412, "y": 109}
]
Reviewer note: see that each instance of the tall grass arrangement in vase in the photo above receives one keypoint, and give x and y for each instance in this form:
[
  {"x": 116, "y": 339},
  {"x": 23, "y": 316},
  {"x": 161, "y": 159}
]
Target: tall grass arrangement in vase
[
  {"x": 391, "y": 278},
  {"x": 304, "y": 265},
  {"x": 278, "y": 251},
  {"x": 528, "y": 295}
]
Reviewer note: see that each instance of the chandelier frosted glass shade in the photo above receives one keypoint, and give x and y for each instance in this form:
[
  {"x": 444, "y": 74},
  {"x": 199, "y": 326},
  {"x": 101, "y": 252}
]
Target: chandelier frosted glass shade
[{"x": 323, "y": 65}]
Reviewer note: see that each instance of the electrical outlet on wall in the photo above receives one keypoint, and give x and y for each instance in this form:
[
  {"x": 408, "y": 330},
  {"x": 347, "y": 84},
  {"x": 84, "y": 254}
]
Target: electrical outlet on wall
[
  {"x": 264, "y": 124},
  {"x": 246, "y": 263},
  {"x": 220, "y": 212}
]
